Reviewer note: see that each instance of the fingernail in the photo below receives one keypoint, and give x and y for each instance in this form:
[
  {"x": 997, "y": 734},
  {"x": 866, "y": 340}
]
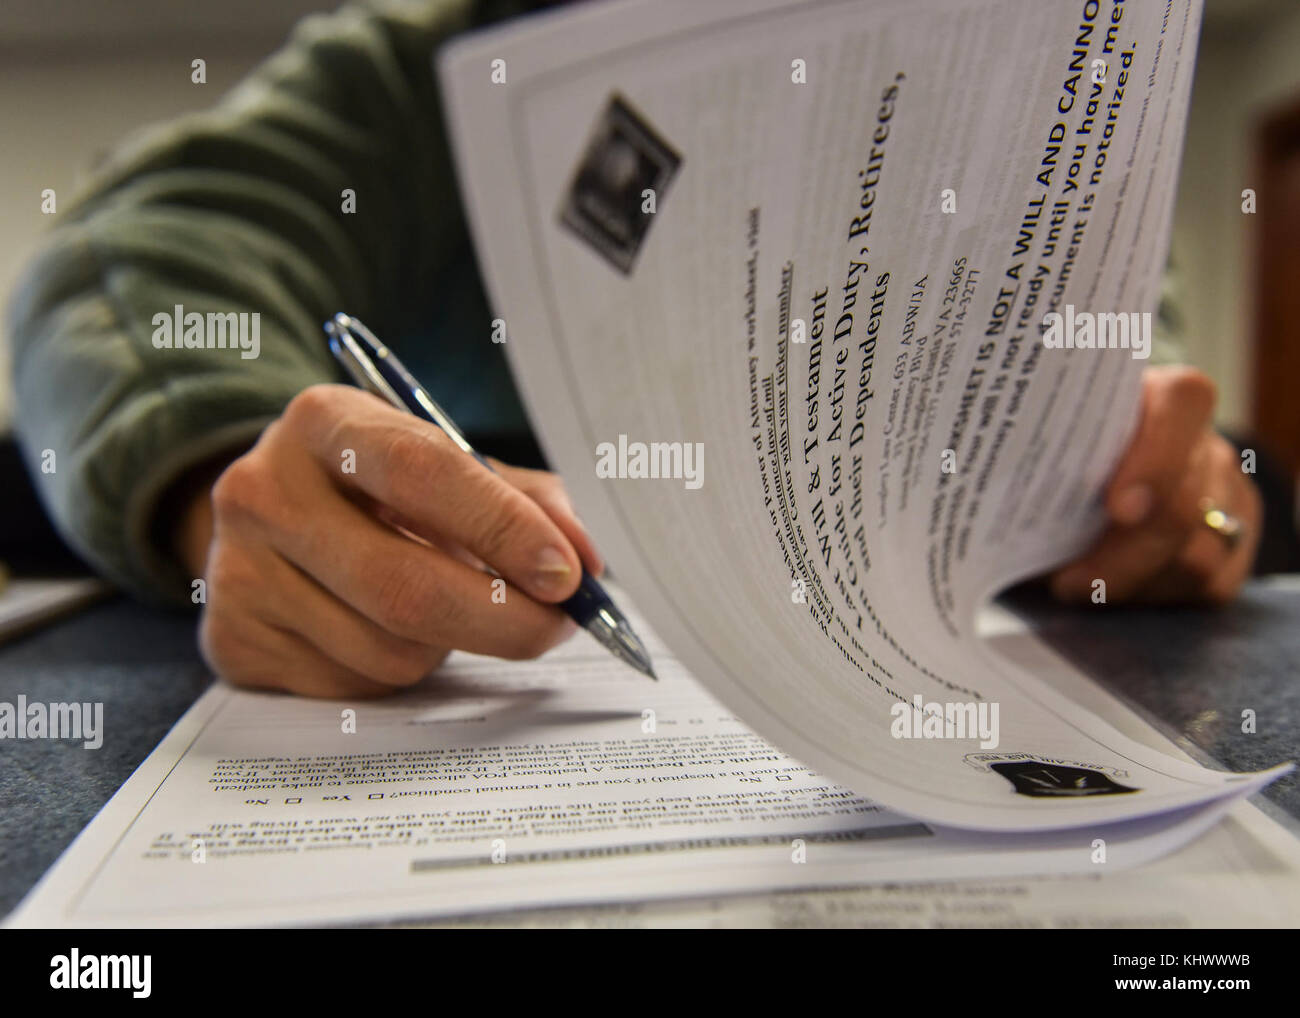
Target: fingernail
[
  {"x": 552, "y": 569},
  {"x": 1133, "y": 505}
]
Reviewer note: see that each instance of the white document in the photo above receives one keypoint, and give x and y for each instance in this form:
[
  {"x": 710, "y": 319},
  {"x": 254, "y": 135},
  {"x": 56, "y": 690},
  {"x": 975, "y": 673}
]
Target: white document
[
  {"x": 1242, "y": 874},
  {"x": 498, "y": 786},
  {"x": 774, "y": 276}
]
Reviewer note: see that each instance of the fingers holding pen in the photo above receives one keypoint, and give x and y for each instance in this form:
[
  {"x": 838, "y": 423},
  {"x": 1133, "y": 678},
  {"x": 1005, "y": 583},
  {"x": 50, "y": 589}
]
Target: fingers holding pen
[
  {"x": 438, "y": 491},
  {"x": 411, "y": 590}
]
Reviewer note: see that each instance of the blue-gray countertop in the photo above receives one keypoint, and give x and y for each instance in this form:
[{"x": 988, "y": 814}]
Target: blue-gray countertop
[{"x": 1191, "y": 671}]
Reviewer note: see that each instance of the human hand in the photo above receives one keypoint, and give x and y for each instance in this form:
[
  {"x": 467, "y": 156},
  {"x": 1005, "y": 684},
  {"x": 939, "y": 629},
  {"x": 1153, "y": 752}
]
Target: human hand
[
  {"x": 332, "y": 583},
  {"x": 1158, "y": 546}
]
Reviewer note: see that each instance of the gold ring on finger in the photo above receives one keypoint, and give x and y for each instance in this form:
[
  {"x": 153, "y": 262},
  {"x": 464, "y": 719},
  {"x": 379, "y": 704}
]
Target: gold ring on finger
[{"x": 1227, "y": 526}]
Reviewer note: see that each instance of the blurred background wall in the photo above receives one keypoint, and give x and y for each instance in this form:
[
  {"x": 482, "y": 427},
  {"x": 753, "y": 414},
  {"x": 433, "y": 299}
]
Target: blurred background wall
[
  {"x": 76, "y": 75},
  {"x": 1247, "y": 75}
]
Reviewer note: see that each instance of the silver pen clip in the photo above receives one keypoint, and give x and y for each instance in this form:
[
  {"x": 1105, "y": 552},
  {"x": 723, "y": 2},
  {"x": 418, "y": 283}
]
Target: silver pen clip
[{"x": 357, "y": 363}]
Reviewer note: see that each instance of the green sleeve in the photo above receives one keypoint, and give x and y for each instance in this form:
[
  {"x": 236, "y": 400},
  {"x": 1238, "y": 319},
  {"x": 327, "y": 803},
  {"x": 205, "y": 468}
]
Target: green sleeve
[{"x": 239, "y": 209}]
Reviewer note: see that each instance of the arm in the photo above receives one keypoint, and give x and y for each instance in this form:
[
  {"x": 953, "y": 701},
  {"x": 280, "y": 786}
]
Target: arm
[{"x": 237, "y": 209}]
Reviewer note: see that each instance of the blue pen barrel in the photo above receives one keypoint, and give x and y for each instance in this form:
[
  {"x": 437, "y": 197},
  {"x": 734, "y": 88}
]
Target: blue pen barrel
[
  {"x": 374, "y": 368},
  {"x": 586, "y": 601}
]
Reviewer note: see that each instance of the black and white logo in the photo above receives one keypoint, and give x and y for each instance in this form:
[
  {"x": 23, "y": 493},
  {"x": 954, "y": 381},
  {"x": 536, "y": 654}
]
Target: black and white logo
[
  {"x": 624, "y": 173},
  {"x": 1055, "y": 781}
]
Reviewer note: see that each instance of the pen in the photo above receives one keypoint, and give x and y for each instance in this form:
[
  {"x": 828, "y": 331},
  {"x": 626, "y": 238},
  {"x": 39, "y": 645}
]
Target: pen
[{"x": 374, "y": 367}]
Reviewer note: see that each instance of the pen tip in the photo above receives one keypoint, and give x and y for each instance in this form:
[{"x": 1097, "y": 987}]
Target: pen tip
[
  {"x": 619, "y": 638},
  {"x": 641, "y": 662}
]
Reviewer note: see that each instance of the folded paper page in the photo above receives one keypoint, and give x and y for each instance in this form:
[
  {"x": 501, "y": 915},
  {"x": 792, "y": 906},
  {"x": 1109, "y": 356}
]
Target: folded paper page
[{"x": 787, "y": 288}]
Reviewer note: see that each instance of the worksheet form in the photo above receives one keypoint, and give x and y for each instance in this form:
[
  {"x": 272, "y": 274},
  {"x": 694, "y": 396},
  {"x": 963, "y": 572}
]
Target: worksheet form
[
  {"x": 507, "y": 785},
  {"x": 775, "y": 279}
]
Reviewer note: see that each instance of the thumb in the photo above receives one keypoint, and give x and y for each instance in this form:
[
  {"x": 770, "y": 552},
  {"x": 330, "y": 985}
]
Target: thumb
[
  {"x": 547, "y": 490},
  {"x": 1177, "y": 403}
]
